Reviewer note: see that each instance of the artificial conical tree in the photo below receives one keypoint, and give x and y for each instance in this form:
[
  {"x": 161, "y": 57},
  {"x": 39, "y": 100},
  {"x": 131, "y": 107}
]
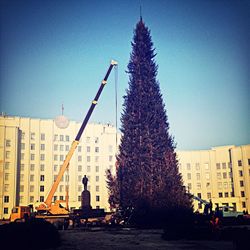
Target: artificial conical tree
[{"x": 147, "y": 167}]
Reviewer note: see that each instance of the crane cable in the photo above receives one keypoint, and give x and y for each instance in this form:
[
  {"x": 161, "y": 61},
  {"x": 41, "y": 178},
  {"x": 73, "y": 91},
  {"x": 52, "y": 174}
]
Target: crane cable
[{"x": 116, "y": 106}]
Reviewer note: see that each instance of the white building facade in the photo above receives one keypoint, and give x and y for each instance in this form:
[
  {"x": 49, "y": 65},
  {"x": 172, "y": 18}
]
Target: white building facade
[{"x": 32, "y": 151}]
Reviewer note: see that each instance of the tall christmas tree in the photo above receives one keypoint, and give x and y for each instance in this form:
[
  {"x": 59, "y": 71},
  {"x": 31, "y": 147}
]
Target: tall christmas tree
[{"x": 147, "y": 167}]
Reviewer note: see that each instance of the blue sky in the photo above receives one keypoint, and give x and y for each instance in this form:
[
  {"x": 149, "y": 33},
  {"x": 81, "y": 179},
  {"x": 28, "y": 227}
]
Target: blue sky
[{"x": 55, "y": 52}]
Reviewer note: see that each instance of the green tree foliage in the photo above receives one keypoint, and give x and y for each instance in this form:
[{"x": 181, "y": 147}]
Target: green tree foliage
[{"x": 147, "y": 169}]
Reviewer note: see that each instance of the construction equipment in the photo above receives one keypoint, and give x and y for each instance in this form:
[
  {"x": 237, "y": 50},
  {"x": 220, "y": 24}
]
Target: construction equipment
[{"x": 56, "y": 208}]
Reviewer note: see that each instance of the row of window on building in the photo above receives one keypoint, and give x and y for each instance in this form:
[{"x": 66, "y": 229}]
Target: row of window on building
[{"x": 219, "y": 166}]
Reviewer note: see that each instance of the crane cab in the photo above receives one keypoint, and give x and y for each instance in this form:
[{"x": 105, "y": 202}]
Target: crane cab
[{"x": 20, "y": 213}]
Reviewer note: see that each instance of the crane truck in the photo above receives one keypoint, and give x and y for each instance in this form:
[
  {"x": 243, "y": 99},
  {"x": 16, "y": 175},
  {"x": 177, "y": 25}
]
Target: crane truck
[{"x": 49, "y": 209}]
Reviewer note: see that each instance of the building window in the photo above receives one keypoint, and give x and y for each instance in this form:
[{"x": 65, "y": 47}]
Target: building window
[
  {"x": 243, "y": 204},
  {"x": 67, "y": 148},
  {"x": 79, "y": 168},
  {"x": 61, "y": 138},
  {"x": 97, "y": 178},
  {"x": 207, "y": 175},
  {"x": 7, "y": 143},
  {"x": 23, "y": 136},
  {"x": 189, "y": 187},
  {"x": 31, "y": 177},
  {"x": 22, "y": 167},
  {"x": 31, "y": 188},
  {"x": 97, "y": 168},
  {"x": 42, "y": 167},
  {"x": 22, "y": 146},
  {"x": 97, "y": 159},
  {"x": 6, "y": 199},
  {"x": 197, "y": 166},
  {"x": 7, "y": 166},
  {"x": 55, "y": 157},
  {"x": 224, "y": 165},
  {"x": 248, "y": 161},
  {"x": 42, "y": 137},
  {"x": 32, "y": 167},
  {"x": 6, "y": 187},
  {"x": 55, "y": 177},
  {"x": 111, "y": 149},
  {"x": 218, "y": 176},
  {"x": 240, "y": 163},
  {"x": 31, "y": 199},
  {"x": 7, "y": 154},
  {"x": 41, "y": 198},
  {"x": 188, "y": 166},
  {"x": 79, "y": 198},
  {"x": 198, "y": 176},
  {"x": 199, "y": 195},
  {"x": 55, "y": 147},
  {"x": 218, "y": 166},
  {"x": 22, "y": 156},
  {"x": 88, "y": 158},
  {"x": 110, "y": 158},
  {"x": 42, "y": 157},
  {"x": 220, "y": 195},
  {"x": 242, "y": 194},
  {"x": 88, "y": 168},
  {"x": 61, "y": 157},
  {"x": 42, "y": 147},
  {"x": 198, "y": 185},
  {"x": 66, "y": 138},
  {"x": 21, "y": 177},
  {"x": 41, "y": 188},
  {"x": 97, "y": 189},
  {"x": 88, "y": 149},
  {"x": 209, "y": 195},
  {"x": 240, "y": 173},
  {"x": 67, "y": 178},
  {"x": 79, "y": 158},
  {"x": 61, "y": 147},
  {"x": 5, "y": 210},
  {"x": 32, "y": 146},
  {"x": 42, "y": 178},
  {"x": 55, "y": 168},
  {"x": 242, "y": 183},
  {"x": 225, "y": 185},
  {"x": 226, "y": 194},
  {"x": 206, "y": 166},
  {"x": 21, "y": 188},
  {"x": 6, "y": 176},
  {"x": 61, "y": 188},
  {"x": 79, "y": 178},
  {"x": 97, "y": 198},
  {"x": 32, "y": 157},
  {"x": 189, "y": 176},
  {"x": 224, "y": 175},
  {"x": 55, "y": 137},
  {"x": 219, "y": 185},
  {"x": 61, "y": 197},
  {"x": 97, "y": 149},
  {"x": 32, "y": 136}
]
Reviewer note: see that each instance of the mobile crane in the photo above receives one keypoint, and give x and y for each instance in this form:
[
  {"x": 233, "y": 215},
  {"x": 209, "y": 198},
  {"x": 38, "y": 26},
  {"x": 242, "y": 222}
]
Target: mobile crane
[{"x": 55, "y": 208}]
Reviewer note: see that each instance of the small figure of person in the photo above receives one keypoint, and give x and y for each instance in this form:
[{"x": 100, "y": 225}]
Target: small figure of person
[{"x": 85, "y": 182}]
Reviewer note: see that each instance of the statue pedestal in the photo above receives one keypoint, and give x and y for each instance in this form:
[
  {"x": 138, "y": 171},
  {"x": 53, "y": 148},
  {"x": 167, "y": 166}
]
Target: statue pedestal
[{"x": 85, "y": 203}]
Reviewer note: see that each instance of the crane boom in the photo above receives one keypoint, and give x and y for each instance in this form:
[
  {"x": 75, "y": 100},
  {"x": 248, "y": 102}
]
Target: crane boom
[{"x": 48, "y": 202}]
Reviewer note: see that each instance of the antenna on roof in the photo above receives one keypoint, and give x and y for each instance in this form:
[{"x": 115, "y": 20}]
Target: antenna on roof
[
  {"x": 62, "y": 109},
  {"x": 140, "y": 12}
]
